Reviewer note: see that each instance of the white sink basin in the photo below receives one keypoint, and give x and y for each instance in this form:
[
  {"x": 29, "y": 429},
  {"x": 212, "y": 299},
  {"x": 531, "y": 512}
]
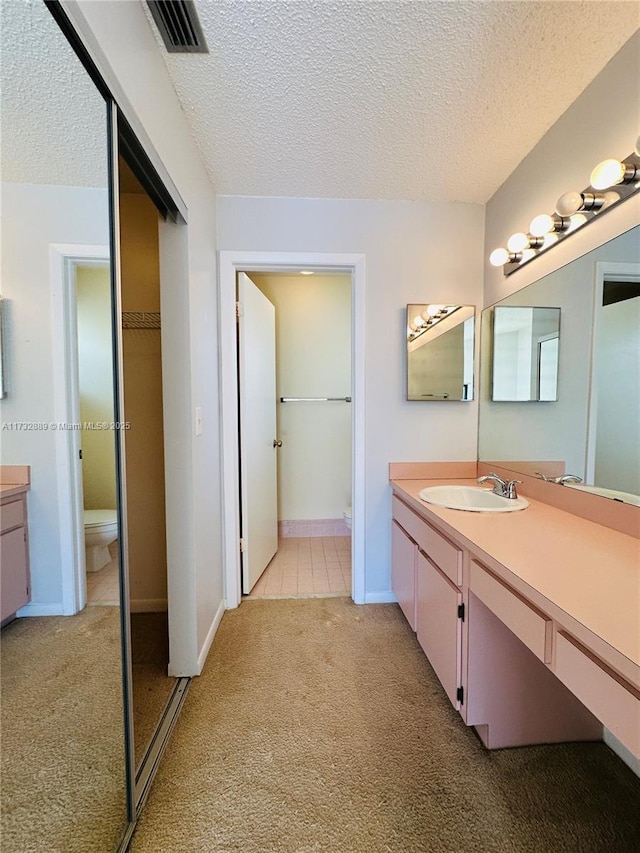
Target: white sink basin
[{"x": 470, "y": 498}]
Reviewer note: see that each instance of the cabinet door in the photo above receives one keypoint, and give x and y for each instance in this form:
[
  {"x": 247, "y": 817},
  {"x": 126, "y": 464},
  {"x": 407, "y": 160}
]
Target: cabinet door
[
  {"x": 438, "y": 625},
  {"x": 14, "y": 581},
  {"x": 403, "y": 572}
]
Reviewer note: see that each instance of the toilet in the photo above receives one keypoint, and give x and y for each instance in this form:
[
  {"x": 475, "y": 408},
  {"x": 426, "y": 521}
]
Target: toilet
[
  {"x": 347, "y": 517},
  {"x": 100, "y": 531}
]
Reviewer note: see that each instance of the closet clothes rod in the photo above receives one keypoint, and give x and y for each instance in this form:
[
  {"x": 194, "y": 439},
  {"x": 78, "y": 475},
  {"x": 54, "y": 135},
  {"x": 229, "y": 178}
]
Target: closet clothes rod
[{"x": 315, "y": 399}]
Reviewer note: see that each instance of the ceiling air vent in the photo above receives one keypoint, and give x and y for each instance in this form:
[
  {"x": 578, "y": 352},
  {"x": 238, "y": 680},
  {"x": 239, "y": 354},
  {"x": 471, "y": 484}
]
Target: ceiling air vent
[{"x": 177, "y": 21}]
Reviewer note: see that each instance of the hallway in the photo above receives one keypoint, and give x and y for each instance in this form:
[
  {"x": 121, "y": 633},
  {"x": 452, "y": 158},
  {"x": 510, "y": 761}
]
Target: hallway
[{"x": 319, "y": 725}]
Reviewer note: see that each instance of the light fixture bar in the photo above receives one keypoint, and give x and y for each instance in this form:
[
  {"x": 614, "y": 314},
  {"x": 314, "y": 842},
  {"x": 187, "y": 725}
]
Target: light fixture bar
[{"x": 612, "y": 181}]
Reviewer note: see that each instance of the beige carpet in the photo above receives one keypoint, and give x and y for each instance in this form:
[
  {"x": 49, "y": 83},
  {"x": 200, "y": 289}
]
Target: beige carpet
[
  {"x": 319, "y": 726},
  {"x": 63, "y": 765}
]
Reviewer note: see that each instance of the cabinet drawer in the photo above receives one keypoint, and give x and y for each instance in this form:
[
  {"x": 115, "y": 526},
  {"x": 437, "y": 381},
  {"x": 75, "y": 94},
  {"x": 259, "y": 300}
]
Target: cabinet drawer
[
  {"x": 525, "y": 621},
  {"x": 12, "y": 514},
  {"x": 440, "y": 551},
  {"x": 612, "y": 700}
]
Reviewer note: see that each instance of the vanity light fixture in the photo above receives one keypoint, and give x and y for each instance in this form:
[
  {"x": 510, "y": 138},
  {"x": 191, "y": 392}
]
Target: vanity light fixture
[
  {"x": 572, "y": 211},
  {"x": 610, "y": 173},
  {"x": 520, "y": 242},
  {"x": 500, "y": 257},
  {"x": 430, "y": 316},
  {"x": 546, "y": 224},
  {"x": 573, "y": 201}
]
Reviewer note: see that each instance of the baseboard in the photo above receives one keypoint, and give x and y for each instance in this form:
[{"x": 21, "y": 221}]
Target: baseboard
[
  {"x": 309, "y": 528},
  {"x": 380, "y": 597},
  {"x": 204, "y": 651},
  {"x": 41, "y": 610},
  {"x": 631, "y": 760},
  {"x": 148, "y": 605}
]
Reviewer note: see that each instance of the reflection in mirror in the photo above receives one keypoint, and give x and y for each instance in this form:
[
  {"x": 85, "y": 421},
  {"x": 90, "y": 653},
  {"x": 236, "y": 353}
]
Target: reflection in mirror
[
  {"x": 614, "y": 438},
  {"x": 592, "y": 430},
  {"x": 151, "y": 685},
  {"x": 63, "y": 751},
  {"x": 440, "y": 347},
  {"x": 525, "y": 353}
]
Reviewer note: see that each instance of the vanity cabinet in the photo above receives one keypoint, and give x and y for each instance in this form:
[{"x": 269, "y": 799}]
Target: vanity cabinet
[
  {"x": 404, "y": 553},
  {"x": 14, "y": 555},
  {"x": 513, "y": 662},
  {"x": 439, "y": 625},
  {"x": 611, "y": 698},
  {"x": 426, "y": 570}
]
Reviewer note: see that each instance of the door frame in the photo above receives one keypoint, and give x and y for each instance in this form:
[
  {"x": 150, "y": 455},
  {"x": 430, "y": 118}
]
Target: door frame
[
  {"x": 64, "y": 260},
  {"x": 229, "y": 264}
]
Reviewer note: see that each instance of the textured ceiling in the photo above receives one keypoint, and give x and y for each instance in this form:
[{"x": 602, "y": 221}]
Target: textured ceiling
[
  {"x": 54, "y": 122},
  {"x": 386, "y": 99}
]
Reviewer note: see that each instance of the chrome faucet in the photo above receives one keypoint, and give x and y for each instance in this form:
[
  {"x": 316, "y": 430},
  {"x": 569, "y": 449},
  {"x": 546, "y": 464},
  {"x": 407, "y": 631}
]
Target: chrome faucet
[
  {"x": 504, "y": 488},
  {"x": 566, "y": 478}
]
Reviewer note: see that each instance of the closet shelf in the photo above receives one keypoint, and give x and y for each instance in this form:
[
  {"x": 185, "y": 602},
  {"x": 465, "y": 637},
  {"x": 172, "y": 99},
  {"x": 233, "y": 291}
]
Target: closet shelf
[{"x": 140, "y": 319}]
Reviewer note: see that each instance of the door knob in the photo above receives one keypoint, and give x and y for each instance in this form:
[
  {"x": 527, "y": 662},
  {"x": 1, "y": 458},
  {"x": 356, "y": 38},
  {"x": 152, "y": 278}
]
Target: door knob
[{"x": 277, "y": 442}]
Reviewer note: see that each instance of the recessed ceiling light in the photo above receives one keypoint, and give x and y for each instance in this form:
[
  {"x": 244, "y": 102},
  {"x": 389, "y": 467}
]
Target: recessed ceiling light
[{"x": 306, "y": 272}]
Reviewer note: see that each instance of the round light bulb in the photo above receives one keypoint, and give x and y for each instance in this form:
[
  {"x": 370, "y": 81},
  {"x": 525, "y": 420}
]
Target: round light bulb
[
  {"x": 498, "y": 257},
  {"x": 576, "y": 221},
  {"x": 306, "y": 272},
  {"x": 432, "y": 310},
  {"x": 418, "y": 321},
  {"x": 413, "y": 326},
  {"x": 541, "y": 225},
  {"x": 517, "y": 242},
  {"x": 569, "y": 203},
  {"x": 607, "y": 174}
]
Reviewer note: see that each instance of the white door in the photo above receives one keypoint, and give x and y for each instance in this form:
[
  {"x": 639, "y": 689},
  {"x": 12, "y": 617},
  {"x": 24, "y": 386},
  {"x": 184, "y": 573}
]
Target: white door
[{"x": 258, "y": 461}]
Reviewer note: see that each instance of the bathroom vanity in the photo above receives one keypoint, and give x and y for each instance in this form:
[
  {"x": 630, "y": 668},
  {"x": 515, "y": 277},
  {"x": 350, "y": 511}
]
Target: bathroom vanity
[
  {"x": 530, "y": 619},
  {"x": 14, "y": 549}
]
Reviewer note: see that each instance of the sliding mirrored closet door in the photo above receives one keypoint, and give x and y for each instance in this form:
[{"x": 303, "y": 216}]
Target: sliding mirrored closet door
[{"x": 64, "y": 757}]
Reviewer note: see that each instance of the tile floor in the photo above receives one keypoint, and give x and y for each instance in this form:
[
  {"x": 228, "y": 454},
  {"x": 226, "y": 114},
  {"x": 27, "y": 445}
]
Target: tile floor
[
  {"x": 103, "y": 587},
  {"x": 306, "y": 568}
]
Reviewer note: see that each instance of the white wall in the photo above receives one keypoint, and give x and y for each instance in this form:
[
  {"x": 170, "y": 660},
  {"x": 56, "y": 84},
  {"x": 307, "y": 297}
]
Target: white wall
[
  {"x": 313, "y": 359},
  {"x": 120, "y": 40},
  {"x": 413, "y": 255},
  {"x": 32, "y": 218},
  {"x": 601, "y": 123}
]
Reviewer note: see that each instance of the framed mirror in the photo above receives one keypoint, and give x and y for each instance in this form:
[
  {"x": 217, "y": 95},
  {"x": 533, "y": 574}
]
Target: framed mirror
[
  {"x": 440, "y": 352},
  {"x": 525, "y": 353},
  {"x": 591, "y": 430}
]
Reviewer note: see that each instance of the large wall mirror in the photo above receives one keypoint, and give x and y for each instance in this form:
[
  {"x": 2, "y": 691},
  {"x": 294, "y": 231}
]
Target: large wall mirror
[
  {"x": 591, "y": 430},
  {"x": 440, "y": 348}
]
